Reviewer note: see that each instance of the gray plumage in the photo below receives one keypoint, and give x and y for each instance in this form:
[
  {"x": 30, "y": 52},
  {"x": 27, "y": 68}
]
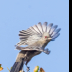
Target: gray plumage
[
  {"x": 35, "y": 32},
  {"x": 23, "y": 56},
  {"x": 36, "y": 38}
]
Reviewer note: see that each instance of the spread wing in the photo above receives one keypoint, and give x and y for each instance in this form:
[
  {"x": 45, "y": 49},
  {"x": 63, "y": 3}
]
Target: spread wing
[
  {"x": 31, "y": 35},
  {"x": 34, "y": 33}
]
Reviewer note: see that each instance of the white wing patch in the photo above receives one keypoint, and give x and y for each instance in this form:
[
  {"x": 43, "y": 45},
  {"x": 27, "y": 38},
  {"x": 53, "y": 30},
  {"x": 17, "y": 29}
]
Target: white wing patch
[{"x": 32, "y": 39}]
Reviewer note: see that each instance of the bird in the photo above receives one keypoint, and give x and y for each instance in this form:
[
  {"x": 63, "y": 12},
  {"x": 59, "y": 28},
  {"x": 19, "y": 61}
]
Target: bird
[{"x": 36, "y": 38}]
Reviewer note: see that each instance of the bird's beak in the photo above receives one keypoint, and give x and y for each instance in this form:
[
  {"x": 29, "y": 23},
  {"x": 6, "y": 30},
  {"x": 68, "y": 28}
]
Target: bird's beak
[{"x": 49, "y": 38}]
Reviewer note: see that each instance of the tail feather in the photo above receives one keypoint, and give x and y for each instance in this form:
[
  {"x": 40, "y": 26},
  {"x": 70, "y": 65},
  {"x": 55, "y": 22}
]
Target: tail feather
[
  {"x": 14, "y": 66},
  {"x": 17, "y": 66},
  {"x": 23, "y": 56}
]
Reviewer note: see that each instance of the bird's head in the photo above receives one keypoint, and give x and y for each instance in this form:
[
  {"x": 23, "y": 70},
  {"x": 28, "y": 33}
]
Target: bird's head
[{"x": 47, "y": 36}]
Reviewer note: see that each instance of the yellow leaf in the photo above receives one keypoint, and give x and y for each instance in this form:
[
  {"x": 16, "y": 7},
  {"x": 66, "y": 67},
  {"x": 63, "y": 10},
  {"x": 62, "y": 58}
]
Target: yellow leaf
[
  {"x": 8, "y": 69},
  {"x": 36, "y": 69},
  {"x": 1, "y": 68}
]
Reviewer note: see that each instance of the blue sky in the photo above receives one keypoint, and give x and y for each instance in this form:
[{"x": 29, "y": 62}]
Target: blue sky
[{"x": 17, "y": 15}]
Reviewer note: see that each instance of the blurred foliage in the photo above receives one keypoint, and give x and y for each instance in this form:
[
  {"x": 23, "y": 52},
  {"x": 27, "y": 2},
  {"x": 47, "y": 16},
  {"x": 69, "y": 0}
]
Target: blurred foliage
[
  {"x": 41, "y": 70},
  {"x": 36, "y": 69},
  {"x": 9, "y": 69},
  {"x": 1, "y": 68}
]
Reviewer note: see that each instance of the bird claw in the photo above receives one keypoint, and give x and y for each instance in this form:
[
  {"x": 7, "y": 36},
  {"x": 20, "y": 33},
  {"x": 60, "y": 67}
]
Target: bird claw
[
  {"x": 28, "y": 68},
  {"x": 46, "y": 51}
]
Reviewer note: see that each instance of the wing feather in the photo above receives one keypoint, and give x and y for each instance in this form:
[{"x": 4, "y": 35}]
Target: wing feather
[
  {"x": 55, "y": 32},
  {"x": 49, "y": 27},
  {"x": 53, "y": 29},
  {"x": 55, "y": 36},
  {"x": 36, "y": 28},
  {"x": 44, "y": 26},
  {"x": 34, "y": 33},
  {"x": 33, "y": 29},
  {"x": 40, "y": 27}
]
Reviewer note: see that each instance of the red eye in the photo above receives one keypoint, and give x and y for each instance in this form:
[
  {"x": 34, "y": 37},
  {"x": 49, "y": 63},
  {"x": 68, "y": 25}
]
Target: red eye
[{"x": 45, "y": 36}]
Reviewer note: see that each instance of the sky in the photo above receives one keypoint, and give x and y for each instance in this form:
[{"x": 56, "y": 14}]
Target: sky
[{"x": 17, "y": 15}]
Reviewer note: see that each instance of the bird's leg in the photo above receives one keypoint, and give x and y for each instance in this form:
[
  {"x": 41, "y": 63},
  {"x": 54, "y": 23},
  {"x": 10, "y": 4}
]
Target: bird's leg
[{"x": 28, "y": 68}]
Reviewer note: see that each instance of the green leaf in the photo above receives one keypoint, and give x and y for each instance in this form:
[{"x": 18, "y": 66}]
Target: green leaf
[
  {"x": 10, "y": 68},
  {"x": 36, "y": 69},
  {"x": 0, "y": 65}
]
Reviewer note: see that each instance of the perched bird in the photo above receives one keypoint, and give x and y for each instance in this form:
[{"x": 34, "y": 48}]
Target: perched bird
[{"x": 36, "y": 38}]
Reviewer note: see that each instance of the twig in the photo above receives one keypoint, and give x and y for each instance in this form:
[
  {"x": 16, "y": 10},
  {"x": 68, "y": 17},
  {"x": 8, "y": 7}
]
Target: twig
[{"x": 8, "y": 69}]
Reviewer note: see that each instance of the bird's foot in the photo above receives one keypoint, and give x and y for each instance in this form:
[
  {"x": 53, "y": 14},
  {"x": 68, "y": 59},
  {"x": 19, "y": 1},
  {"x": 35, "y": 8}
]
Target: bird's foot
[
  {"x": 46, "y": 51},
  {"x": 28, "y": 68}
]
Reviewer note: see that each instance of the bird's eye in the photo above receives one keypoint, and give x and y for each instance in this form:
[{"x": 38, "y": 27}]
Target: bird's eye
[{"x": 45, "y": 36}]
